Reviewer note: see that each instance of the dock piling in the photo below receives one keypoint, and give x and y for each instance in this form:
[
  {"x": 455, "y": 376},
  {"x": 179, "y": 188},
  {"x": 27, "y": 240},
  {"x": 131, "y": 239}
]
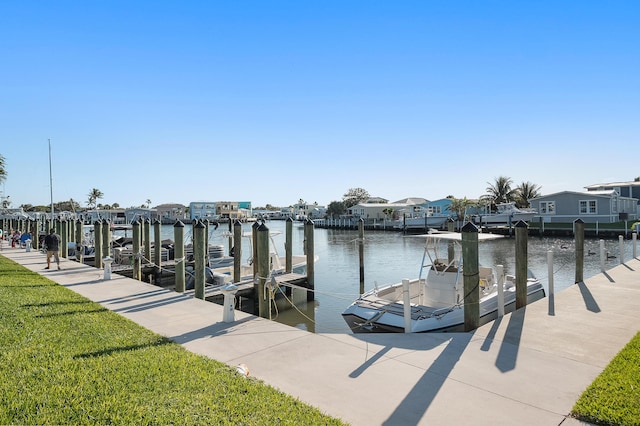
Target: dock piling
[
  {"x": 237, "y": 251},
  {"x": 406, "y": 301},
  {"x": 263, "y": 270},
  {"x": 579, "y": 231},
  {"x": 471, "y": 276},
  {"x": 97, "y": 244},
  {"x": 136, "y": 231},
  {"x": 621, "y": 246},
  {"x": 288, "y": 245},
  {"x": 309, "y": 250},
  {"x": 64, "y": 236},
  {"x": 106, "y": 239},
  {"x": 199, "y": 258},
  {"x": 178, "y": 253},
  {"x": 500, "y": 295},
  {"x": 361, "y": 253},
  {"x": 522, "y": 234}
]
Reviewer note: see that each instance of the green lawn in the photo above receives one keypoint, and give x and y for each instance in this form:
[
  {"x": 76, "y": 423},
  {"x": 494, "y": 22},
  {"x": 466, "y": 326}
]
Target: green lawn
[
  {"x": 614, "y": 396},
  {"x": 67, "y": 360}
]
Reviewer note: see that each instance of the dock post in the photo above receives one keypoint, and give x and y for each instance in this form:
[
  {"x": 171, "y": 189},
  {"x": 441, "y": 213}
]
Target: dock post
[
  {"x": 288, "y": 245},
  {"x": 157, "y": 252},
  {"x": 106, "y": 239},
  {"x": 522, "y": 234},
  {"x": 406, "y": 302},
  {"x": 136, "y": 231},
  {"x": 254, "y": 246},
  {"x": 500, "y": 277},
  {"x": 206, "y": 240},
  {"x": 237, "y": 251},
  {"x": 79, "y": 239},
  {"x": 97, "y": 244},
  {"x": 230, "y": 234},
  {"x": 72, "y": 230},
  {"x": 621, "y": 248},
  {"x": 146, "y": 235},
  {"x": 579, "y": 230},
  {"x": 64, "y": 237},
  {"x": 471, "y": 276},
  {"x": 361, "y": 253},
  {"x": 262, "y": 262},
  {"x": 308, "y": 242},
  {"x": 451, "y": 248},
  {"x": 178, "y": 255},
  {"x": 199, "y": 259},
  {"x": 550, "y": 271},
  {"x": 634, "y": 239},
  {"x": 36, "y": 234},
  {"x": 603, "y": 256}
]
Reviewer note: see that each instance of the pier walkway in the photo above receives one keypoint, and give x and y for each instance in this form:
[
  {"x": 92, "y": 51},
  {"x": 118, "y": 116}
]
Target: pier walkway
[{"x": 528, "y": 368}]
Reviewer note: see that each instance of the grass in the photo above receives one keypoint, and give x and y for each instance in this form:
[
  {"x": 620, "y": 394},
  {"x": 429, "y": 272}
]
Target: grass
[
  {"x": 614, "y": 396},
  {"x": 67, "y": 360}
]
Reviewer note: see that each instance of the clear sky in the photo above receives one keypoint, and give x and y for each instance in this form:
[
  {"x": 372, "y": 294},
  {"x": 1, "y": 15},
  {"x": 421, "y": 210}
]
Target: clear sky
[{"x": 274, "y": 101}]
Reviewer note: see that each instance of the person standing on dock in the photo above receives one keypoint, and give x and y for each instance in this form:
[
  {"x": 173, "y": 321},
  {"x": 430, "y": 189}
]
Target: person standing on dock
[{"x": 52, "y": 243}]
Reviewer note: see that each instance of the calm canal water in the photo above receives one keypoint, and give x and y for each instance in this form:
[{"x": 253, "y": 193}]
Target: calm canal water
[{"x": 389, "y": 257}]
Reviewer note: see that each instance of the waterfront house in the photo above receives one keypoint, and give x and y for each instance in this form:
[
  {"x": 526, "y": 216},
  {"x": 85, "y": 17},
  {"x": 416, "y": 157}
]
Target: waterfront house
[
  {"x": 625, "y": 189},
  {"x": 302, "y": 210},
  {"x": 112, "y": 215},
  {"x": 380, "y": 211},
  {"x": 233, "y": 210},
  {"x": 205, "y": 210},
  {"x": 590, "y": 206},
  {"x": 137, "y": 213},
  {"x": 170, "y": 213}
]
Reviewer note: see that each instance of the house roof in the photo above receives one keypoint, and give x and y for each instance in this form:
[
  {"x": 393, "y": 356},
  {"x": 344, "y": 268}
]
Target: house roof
[
  {"x": 604, "y": 193},
  {"x": 613, "y": 184},
  {"x": 412, "y": 200}
]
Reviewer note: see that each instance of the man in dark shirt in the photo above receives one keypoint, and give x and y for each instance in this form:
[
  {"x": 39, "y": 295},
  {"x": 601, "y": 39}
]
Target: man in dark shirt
[{"x": 52, "y": 243}]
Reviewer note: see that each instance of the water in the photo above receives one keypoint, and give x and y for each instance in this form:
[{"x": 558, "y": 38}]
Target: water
[{"x": 389, "y": 257}]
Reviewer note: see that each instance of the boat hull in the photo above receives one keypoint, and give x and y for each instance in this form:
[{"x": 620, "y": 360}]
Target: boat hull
[{"x": 361, "y": 320}]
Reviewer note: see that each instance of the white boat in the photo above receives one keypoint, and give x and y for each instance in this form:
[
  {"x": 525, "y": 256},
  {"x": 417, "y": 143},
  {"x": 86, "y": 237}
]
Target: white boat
[
  {"x": 437, "y": 300},
  {"x": 506, "y": 214}
]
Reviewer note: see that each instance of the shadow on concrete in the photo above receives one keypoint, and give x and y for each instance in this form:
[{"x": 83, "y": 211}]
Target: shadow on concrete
[
  {"x": 589, "y": 301},
  {"x": 416, "y": 403},
  {"x": 369, "y": 362},
  {"x": 219, "y": 329},
  {"x": 486, "y": 345},
  {"x": 153, "y": 304},
  {"x": 508, "y": 353},
  {"x": 135, "y": 296}
]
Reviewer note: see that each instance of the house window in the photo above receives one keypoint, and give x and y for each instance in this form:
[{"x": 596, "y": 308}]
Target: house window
[
  {"x": 435, "y": 209},
  {"x": 588, "y": 207},
  {"x": 547, "y": 207}
]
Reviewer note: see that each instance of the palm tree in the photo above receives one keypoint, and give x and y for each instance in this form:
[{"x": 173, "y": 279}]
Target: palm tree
[
  {"x": 525, "y": 192},
  {"x": 3, "y": 170},
  {"x": 458, "y": 207},
  {"x": 500, "y": 191},
  {"x": 94, "y": 196},
  {"x": 148, "y": 203}
]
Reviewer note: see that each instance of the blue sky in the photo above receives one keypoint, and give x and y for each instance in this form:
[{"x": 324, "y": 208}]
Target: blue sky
[{"x": 273, "y": 101}]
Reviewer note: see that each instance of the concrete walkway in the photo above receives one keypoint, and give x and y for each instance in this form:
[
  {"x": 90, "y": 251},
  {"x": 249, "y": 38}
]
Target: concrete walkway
[{"x": 528, "y": 368}]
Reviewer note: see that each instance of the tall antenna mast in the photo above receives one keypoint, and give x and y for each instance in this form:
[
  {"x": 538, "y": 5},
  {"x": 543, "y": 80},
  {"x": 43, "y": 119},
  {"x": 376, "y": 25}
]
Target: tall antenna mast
[{"x": 50, "y": 181}]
